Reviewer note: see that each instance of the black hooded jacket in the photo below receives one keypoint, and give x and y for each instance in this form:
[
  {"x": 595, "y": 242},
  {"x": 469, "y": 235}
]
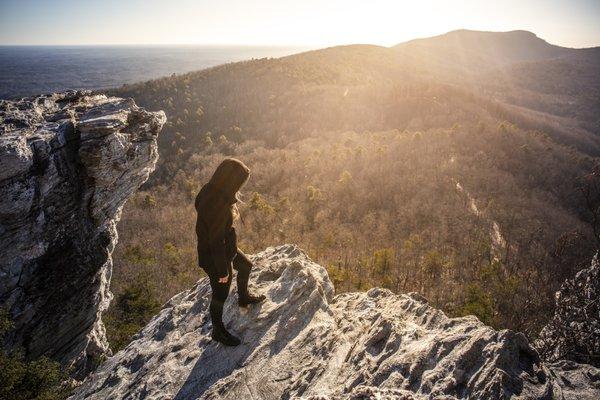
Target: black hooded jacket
[{"x": 217, "y": 240}]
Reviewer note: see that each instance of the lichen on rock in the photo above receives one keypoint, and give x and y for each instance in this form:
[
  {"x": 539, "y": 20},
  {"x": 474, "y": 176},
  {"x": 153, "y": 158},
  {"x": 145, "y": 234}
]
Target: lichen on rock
[
  {"x": 305, "y": 342},
  {"x": 68, "y": 163}
]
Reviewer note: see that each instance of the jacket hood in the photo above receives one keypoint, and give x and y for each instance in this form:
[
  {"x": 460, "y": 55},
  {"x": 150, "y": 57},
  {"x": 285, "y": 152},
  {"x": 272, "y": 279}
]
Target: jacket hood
[{"x": 229, "y": 177}]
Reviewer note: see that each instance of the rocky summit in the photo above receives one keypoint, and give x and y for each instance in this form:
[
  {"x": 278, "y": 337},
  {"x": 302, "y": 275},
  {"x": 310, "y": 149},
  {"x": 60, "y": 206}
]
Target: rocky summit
[
  {"x": 68, "y": 163},
  {"x": 306, "y": 342}
]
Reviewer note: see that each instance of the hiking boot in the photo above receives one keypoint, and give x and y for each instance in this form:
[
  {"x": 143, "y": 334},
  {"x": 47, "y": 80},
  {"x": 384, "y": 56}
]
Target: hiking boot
[
  {"x": 222, "y": 336},
  {"x": 247, "y": 299}
]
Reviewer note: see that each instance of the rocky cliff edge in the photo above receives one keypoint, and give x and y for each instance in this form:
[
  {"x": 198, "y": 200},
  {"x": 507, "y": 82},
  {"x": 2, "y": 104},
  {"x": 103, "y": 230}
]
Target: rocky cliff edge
[
  {"x": 305, "y": 342},
  {"x": 68, "y": 163}
]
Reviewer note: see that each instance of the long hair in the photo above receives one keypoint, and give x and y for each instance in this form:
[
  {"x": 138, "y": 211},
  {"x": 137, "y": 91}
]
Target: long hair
[{"x": 236, "y": 212}]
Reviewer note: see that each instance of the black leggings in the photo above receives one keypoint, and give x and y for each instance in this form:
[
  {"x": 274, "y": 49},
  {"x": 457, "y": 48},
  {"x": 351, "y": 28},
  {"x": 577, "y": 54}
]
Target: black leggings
[{"x": 220, "y": 291}]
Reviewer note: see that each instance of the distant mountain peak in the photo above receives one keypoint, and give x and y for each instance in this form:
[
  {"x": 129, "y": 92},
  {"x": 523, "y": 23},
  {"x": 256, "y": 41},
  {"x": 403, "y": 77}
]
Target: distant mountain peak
[
  {"x": 519, "y": 32},
  {"x": 469, "y": 34},
  {"x": 482, "y": 49}
]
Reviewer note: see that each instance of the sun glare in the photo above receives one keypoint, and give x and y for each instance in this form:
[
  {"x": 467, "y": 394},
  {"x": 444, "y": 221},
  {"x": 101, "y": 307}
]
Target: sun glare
[{"x": 314, "y": 23}]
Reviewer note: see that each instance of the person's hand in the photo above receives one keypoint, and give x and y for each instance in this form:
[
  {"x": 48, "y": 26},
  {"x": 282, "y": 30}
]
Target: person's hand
[{"x": 224, "y": 279}]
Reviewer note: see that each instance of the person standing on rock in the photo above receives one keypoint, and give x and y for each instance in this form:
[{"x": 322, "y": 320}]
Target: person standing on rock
[{"x": 217, "y": 243}]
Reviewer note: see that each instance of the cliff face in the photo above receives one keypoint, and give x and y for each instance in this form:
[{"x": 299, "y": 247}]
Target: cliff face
[
  {"x": 305, "y": 342},
  {"x": 68, "y": 163},
  {"x": 574, "y": 331}
]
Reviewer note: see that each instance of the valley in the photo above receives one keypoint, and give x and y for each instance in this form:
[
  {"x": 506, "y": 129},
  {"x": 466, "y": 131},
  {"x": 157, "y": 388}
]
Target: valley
[{"x": 349, "y": 149}]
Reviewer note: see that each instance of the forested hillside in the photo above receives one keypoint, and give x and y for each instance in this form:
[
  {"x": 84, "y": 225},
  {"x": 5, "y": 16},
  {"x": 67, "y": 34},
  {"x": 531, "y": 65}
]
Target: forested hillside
[
  {"x": 521, "y": 69},
  {"x": 473, "y": 186}
]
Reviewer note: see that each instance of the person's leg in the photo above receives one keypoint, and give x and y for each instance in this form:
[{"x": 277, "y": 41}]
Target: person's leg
[
  {"x": 220, "y": 291},
  {"x": 243, "y": 265}
]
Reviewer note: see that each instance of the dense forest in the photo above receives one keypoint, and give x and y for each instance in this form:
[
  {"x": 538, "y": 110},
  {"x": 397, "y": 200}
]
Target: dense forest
[{"x": 471, "y": 185}]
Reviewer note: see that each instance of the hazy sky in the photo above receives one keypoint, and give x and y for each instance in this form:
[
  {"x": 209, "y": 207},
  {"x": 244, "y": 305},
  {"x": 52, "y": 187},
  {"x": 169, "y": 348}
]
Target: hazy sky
[{"x": 573, "y": 23}]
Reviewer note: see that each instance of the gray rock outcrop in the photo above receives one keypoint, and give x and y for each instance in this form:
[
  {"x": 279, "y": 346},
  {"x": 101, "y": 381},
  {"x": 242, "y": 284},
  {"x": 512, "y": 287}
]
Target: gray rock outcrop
[
  {"x": 574, "y": 331},
  {"x": 305, "y": 342},
  {"x": 68, "y": 163}
]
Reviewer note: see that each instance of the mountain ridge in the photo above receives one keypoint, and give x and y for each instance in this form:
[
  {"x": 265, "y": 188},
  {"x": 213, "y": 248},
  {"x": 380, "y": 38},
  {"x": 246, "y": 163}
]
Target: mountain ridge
[{"x": 474, "y": 35}]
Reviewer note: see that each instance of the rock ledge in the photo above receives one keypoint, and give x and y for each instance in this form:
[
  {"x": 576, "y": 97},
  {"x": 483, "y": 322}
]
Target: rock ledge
[
  {"x": 304, "y": 342},
  {"x": 68, "y": 163}
]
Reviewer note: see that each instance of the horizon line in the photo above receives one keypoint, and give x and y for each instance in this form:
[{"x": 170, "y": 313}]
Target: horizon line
[
  {"x": 285, "y": 45},
  {"x": 150, "y": 44}
]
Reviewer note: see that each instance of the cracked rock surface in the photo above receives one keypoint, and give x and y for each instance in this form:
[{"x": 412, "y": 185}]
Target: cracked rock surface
[
  {"x": 68, "y": 163},
  {"x": 574, "y": 331},
  {"x": 305, "y": 342}
]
